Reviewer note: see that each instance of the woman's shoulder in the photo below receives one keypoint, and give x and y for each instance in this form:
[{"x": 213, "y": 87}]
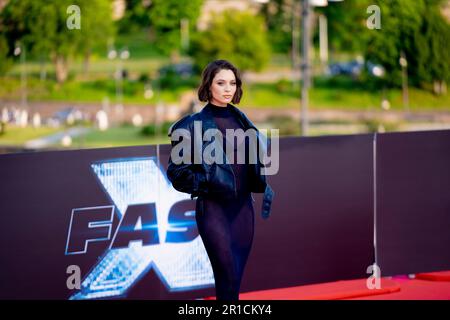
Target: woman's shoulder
[
  {"x": 247, "y": 122},
  {"x": 183, "y": 123}
]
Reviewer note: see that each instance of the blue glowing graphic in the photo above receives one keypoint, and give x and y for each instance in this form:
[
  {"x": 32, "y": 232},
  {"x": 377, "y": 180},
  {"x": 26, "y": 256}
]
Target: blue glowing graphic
[
  {"x": 139, "y": 184},
  {"x": 101, "y": 225}
]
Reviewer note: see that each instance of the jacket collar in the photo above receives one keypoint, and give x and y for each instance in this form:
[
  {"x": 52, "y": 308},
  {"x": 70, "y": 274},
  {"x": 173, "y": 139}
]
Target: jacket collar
[
  {"x": 208, "y": 118},
  {"x": 208, "y": 122}
]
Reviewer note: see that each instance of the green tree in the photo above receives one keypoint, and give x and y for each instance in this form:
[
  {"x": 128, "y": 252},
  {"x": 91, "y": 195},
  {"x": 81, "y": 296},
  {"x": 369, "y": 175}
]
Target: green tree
[
  {"x": 136, "y": 17},
  {"x": 5, "y": 61},
  {"x": 417, "y": 29},
  {"x": 41, "y": 27},
  {"x": 236, "y": 36},
  {"x": 96, "y": 25},
  {"x": 347, "y": 31},
  {"x": 433, "y": 60},
  {"x": 165, "y": 19},
  {"x": 278, "y": 17}
]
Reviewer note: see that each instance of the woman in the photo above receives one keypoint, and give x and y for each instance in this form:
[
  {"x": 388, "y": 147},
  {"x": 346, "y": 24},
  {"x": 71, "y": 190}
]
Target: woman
[{"x": 224, "y": 207}]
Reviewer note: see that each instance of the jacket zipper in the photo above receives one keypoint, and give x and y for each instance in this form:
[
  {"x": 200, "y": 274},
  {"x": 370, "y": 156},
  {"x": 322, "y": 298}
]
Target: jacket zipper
[{"x": 234, "y": 177}]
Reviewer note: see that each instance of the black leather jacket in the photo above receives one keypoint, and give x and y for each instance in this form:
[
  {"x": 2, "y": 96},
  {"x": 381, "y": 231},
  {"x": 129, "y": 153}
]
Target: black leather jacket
[{"x": 216, "y": 178}]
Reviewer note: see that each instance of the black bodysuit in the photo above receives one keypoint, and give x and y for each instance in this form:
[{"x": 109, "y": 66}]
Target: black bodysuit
[{"x": 227, "y": 226}]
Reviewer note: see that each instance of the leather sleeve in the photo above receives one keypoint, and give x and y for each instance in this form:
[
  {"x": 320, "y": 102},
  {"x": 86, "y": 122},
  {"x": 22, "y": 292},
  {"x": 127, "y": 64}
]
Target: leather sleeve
[{"x": 186, "y": 177}]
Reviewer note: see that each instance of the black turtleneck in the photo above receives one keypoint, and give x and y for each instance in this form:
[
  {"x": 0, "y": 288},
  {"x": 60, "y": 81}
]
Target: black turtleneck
[{"x": 225, "y": 118}]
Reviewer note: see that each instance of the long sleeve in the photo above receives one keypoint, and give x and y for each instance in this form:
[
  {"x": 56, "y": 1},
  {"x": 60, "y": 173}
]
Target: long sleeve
[
  {"x": 186, "y": 177},
  {"x": 226, "y": 119}
]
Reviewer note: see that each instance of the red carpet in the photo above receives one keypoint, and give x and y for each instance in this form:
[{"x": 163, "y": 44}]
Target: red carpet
[
  {"x": 325, "y": 291},
  {"x": 426, "y": 286},
  {"x": 416, "y": 289},
  {"x": 434, "y": 276}
]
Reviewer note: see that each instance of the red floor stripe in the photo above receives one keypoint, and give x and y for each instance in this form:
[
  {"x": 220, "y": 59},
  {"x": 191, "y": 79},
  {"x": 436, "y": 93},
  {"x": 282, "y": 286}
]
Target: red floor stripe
[
  {"x": 434, "y": 276},
  {"x": 344, "y": 289},
  {"x": 392, "y": 288}
]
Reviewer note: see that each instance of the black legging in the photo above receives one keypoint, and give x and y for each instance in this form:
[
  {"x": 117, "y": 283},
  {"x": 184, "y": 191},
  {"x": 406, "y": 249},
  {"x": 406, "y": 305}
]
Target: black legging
[{"x": 226, "y": 228}]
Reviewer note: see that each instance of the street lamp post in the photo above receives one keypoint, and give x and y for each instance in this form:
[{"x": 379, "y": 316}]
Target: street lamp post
[
  {"x": 404, "y": 64},
  {"x": 323, "y": 38},
  {"x": 122, "y": 55},
  {"x": 184, "y": 31},
  {"x": 20, "y": 50},
  {"x": 306, "y": 7},
  {"x": 307, "y": 10},
  {"x": 294, "y": 39}
]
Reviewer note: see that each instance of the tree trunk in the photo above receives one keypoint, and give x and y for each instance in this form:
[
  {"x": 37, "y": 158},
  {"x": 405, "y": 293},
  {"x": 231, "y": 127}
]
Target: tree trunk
[
  {"x": 87, "y": 58},
  {"x": 436, "y": 87},
  {"x": 61, "y": 68},
  {"x": 443, "y": 87},
  {"x": 439, "y": 87},
  {"x": 43, "y": 69},
  {"x": 175, "y": 56}
]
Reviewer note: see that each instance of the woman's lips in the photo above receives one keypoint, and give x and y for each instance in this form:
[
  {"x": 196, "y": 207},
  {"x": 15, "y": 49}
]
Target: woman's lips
[{"x": 228, "y": 97}]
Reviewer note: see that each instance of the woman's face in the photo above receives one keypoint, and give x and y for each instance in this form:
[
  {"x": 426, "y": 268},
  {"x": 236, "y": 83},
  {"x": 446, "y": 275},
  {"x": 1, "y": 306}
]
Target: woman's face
[{"x": 223, "y": 87}]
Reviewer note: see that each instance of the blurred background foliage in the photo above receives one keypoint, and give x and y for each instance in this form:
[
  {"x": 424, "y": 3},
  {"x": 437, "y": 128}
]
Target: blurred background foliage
[{"x": 148, "y": 53}]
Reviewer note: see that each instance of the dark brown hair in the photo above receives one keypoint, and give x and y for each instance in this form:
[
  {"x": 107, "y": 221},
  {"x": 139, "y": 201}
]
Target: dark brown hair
[{"x": 208, "y": 74}]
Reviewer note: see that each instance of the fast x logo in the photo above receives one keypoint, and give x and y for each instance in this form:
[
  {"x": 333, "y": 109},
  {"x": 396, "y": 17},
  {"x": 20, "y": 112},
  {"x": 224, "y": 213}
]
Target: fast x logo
[{"x": 157, "y": 230}]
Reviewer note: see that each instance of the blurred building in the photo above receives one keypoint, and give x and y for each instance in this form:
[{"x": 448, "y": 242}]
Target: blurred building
[
  {"x": 3, "y": 4},
  {"x": 446, "y": 10},
  {"x": 119, "y": 7},
  {"x": 211, "y": 7}
]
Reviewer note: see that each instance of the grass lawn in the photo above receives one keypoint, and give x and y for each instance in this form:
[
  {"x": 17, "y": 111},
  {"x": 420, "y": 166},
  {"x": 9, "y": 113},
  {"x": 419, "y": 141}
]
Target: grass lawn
[
  {"x": 85, "y": 91},
  {"x": 322, "y": 97},
  {"x": 98, "y": 67},
  {"x": 145, "y": 60},
  {"x": 259, "y": 95},
  {"x": 118, "y": 136},
  {"x": 94, "y": 86},
  {"x": 18, "y": 136},
  {"x": 114, "y": 137}
]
